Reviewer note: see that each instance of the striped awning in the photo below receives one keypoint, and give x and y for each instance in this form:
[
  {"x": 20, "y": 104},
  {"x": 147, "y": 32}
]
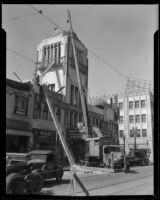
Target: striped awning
[{"x": 18, "y": 132}]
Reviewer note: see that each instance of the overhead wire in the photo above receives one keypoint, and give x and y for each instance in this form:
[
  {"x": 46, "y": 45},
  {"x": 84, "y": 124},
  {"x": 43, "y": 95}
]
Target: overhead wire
[
  {"x": 23, "y": 16},
  {"x": 102, "y": 59},
  {"x": 15, "y": 52},
  {"x": 111, "y": 66},
  {"x": 41, "y": 13}
]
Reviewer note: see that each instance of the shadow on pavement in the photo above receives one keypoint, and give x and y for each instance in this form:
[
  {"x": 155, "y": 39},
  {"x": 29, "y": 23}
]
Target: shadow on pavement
[
  {"x": 133, "y": 172},
  {"x": 51, "y": 183}
]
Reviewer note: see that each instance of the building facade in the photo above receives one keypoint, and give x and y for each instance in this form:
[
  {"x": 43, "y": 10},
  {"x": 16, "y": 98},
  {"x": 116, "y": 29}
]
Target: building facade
[
  {"x": 136, "y": 122},
  {"x": 19, "y": 101}
]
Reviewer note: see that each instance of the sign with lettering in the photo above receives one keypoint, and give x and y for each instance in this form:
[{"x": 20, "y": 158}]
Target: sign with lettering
[
  {"x": 74, "y": 133},
  {"x": 45, "y": 134}
]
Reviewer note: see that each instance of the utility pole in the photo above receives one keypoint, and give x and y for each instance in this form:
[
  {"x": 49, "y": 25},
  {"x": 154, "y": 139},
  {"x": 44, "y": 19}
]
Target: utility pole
[
  {"x": 75, "y": 178},
  {"x": 124, "y": 138},
  {"x": 78, "y": 78}
]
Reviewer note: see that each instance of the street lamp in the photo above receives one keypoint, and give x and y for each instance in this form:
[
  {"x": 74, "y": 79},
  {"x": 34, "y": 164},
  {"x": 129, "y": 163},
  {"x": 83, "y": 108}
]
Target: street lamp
[
  {"x": 147, "y": 149},
  {"x": 124, "y": 138}
]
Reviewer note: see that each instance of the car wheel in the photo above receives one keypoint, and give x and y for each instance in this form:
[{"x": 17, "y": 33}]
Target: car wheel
[
  {"x": 35, "y": 184},
  {"x": 15, "y": 185}
]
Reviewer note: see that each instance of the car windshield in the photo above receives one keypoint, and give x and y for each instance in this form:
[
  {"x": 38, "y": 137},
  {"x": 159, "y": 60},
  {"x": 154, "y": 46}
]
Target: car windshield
[{"x": 39, "y": 156}]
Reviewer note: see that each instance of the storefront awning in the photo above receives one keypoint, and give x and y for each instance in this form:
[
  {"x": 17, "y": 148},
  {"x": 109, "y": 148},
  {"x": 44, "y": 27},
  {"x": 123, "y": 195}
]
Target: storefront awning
[{"x": 18, "y": 132}]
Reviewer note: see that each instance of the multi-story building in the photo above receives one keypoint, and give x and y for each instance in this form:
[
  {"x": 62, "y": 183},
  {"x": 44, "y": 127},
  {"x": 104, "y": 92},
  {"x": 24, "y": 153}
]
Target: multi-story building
[
  {"x": 56, "y": 54},
  {"x": 136, "y": 122},
  {"x": 19, "y": 101}
]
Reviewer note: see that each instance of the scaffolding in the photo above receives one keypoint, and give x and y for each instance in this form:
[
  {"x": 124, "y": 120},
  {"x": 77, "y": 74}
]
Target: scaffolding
[{"x": 138, "y": 86}]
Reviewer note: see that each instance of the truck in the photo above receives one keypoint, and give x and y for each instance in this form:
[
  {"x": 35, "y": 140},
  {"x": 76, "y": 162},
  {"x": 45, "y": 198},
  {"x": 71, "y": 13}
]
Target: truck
[
  {"x": 138, "y": 157},
  {"x": 25, "y": 173}
]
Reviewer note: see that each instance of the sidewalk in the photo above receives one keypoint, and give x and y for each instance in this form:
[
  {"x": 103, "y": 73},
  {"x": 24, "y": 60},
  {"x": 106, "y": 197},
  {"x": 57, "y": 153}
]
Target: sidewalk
[{"x": 89, "y": 169}]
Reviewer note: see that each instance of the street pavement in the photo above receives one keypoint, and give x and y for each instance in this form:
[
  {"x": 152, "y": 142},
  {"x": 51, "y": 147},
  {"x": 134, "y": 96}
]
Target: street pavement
[{"x": 139, "y": 181}]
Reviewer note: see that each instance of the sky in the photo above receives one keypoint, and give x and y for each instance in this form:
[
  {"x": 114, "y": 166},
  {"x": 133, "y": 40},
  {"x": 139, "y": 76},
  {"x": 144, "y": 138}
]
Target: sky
[{"x": 121, "y": 34}]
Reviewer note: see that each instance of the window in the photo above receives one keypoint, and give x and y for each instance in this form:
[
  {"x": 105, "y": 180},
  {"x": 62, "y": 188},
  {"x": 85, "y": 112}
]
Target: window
[
  {"x": 137, "y": 118},
  {"x": 106, "y": 125},
  {"x": 80, "y": 117},
  {"x": 131, "y": 133},
  {"x": 75, "y": 119},
  {"x": 143, "y": 104},
  {"x": 71, "y": 119},
  {"x": 136, "y": 104},
  {"x": 130, "y": 104},
  {"x": 21, "y": 105},
  {"x": 143, "y": 118},
  {"x": 121, "y": 133},
  {"x": 76, "y": 96},
  {"x": 51, "y": 87},
  {"x": 131, "y": 119},
  {"x": 58, "y": 113},
  {"x": 45, "y": 113},
  {"x": 121, "y": 119},
  {"x": 121, "y": 106},
  {"x": 37, "y": 110},
  {"x": 72, "y": 95},
  {"x": 59, "y": 53},
  {"x": 138, "y": 133},
  {"x": 144, "y": 132}
]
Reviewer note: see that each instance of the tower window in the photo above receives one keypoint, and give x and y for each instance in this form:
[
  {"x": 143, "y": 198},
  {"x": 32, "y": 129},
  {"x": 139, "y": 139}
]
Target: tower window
[{"x": 51, "y": 87}]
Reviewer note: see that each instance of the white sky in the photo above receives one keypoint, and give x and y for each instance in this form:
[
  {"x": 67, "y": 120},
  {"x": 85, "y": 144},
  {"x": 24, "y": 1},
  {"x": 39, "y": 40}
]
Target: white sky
[{"x": 121, "y": 34}]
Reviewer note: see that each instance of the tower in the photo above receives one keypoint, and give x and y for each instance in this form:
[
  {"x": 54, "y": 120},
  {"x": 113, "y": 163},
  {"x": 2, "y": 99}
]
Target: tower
[{"x": 56, "y": 53}]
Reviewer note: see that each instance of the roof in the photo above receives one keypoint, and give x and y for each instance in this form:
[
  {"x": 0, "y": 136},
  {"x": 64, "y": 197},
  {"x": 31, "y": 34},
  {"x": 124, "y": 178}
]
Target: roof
[
  {"x": 41, "y": 152},
  {"x": 18, "y": 85}
]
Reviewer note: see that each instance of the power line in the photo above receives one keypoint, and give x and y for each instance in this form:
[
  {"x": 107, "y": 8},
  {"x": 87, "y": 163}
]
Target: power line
[
  {"x": 111, "y": 66},
  {"x": 16, "y": 18},
  {"x": 20, "y": 55},
  {"x": 46, "y": 17}
]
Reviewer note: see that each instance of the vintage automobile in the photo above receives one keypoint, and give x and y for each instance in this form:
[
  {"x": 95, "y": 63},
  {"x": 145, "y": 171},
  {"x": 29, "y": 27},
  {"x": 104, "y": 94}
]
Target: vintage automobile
[
  {"x": 120, "y": 164},
  {"x": 20, "y": 179},
  {"x": 25, "y": 173},
  {"x": 46, "y": 163}
]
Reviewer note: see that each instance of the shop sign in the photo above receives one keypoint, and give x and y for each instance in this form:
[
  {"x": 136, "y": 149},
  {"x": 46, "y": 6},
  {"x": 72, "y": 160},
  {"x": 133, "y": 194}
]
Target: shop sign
[
  {"x": 44, "y": 134},
  {"x": 74, "y": 133},
  {"x": 17, "y": 124}
]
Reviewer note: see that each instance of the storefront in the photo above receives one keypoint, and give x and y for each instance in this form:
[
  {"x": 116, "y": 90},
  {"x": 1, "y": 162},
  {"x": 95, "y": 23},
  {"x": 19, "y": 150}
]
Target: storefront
[
  {"x": 19, "y": 138},
  {"x": 44, "y": 139},
  {"x": 76, "y": 143}
]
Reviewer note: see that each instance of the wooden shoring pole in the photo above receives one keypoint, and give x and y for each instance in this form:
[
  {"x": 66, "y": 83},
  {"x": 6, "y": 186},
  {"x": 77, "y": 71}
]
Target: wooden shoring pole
[
  {"x": 78, "y": 78},
  {"x": 64, "y": 144}
]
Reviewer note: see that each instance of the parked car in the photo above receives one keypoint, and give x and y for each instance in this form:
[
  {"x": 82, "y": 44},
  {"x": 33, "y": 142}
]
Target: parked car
[
  {"x": 25, "y": 173},
  {"x": 46, "y": 163},
  {"x": 20, "y": 179}
]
